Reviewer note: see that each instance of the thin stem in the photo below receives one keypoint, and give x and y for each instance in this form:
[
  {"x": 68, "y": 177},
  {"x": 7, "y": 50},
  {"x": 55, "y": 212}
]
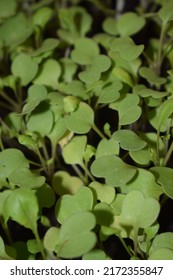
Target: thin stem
[
  {"x": 157, "y": 148},
  {"x": 159, "y": 56},
  {"x": 97, "y": 130},
  {"x": 167, "y": 157},
  {"x": 39, "y": 242},
  {"x": 85, "y": 168},
  {"x": 79, "y": 173},
  {"x": 125, "y": 246},
  {"x": 8, "y": 99},
  {"x": 42, "y": 160}
]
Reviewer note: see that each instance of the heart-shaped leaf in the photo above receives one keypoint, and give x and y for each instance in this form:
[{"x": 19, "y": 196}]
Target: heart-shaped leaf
[
  {"x": 102, "y": 192},
  {"x": 85, "y": 51},
  {"x": 76, "y": 237},
  {"x": 126, "y": 47},
  {"x": 95, "y": 254},
  {"x": 10, "y": 160},
  {"x": 19, "y": 69},
  {"x": 64, "y": 183},
  {"x": 22, "y": 207},
  {"x": 51, "y": 238},
  {"x": 45, "y": 196},
  {"x": 129, "y": 24},
  {"x": 107, "y": 147},
  {"x": 73, "y": 152},
  {"x": 49, "y": 74},
  {"x": 128, "y": 109},
  {"x": 81, "y": 120},
  {"x": 24, "y": 178},
  {"x": 129, "y": 140},
  {"x": 163, "y": 240},
  {"x": 36, "y": 94},
  {"x": 164, "y": 176},
  {"x": 138, "y": 211},
  {"x": 161, "y": 254},
  {"x": 15, "y": 30},
  {"x": 110, "y": 26},
  {"x": 41, "y": 120},
  {"x": 145, "y": 182},
  {"x": 110, "y": 92},
  {"x": 151, "y": 76},
  {"x": 68, "y": 205},
  {"x": 113, "y": 169}
]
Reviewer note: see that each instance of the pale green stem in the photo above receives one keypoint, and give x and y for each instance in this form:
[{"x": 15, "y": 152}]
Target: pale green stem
[
  {"x": 97, "y": 130},
  {"x": 125, "y": 246},
  {"x": 39, "y": 242},
  {"x": 79, "y": 173},
  {"x": 85, "y": 168},
  {"x": 157, "y": 148},
  {"x": 167, "y": 157}
]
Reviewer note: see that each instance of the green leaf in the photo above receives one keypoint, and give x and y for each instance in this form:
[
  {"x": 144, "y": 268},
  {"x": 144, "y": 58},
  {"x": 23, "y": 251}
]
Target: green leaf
[
  {"x": 49, "y": 74},
  {"x": 3, "y": 196},
  {"x": 107, "y": 147},
  {"x": 164, "y": 176},
  {"x": 7, "y": 8},
  {"x": 15, "y": 30},
  {"x": 41, "y": 120},
  {"x": 51, "y": 238},
  {"x": 161, "y": 254},
  {"x": 68, "y": 205},
  {"x": 110, "y": 92},
  {"x": 70, "y": 104},
  {"x": 166, "y": 109},
  {"x": 10, "y": 160},
  {"x": 75, "y": 23},
  {"x": 163, "y": 240},
  {"x": 113, "y": 169},
  {"x": 129, "y": 24},
  {"x": 22, "y": 207},
  {"x": 138, "y": 211},
  {"x": 102, "y": 192},
  {"x": 64, "y": 183},
  {"x": 85, "y": 51},
  {"x": 24, "y": 178},
  {"x": 81, "y": 120},
  {"x": 73, "y": 152},
  {"x": 3, "y": 254},
  {"x": 100, "y": 63},
  {"x": 96, "y": 254},
  {"x": 151, "y": 76},
  {"x": 42, "y": 16},
  {"x": 129, "y": 140},
  {"x": 69, "y": 69},
  {"x": 48, "y": 45},
  {"x": 33, "y": 246},
  {"x": 103, "y": 213},
  {"x": 19, "y": 69},
  {"x": 36, "y": 94},
  {"x": 122, "y": 75},
  {"x": 110, "y": 26},
  {"x": 76, "y": 88},
  {"x": 142, "y": 157},
  {"x": 126, "y": 47},
  {"x": 145, "y": 182},
  {"x": 45, "y": 196},
  {"x": 166, "y": 13},
  {"x": 75, "y": 237},
  {"x": 128, "y": 109}
]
